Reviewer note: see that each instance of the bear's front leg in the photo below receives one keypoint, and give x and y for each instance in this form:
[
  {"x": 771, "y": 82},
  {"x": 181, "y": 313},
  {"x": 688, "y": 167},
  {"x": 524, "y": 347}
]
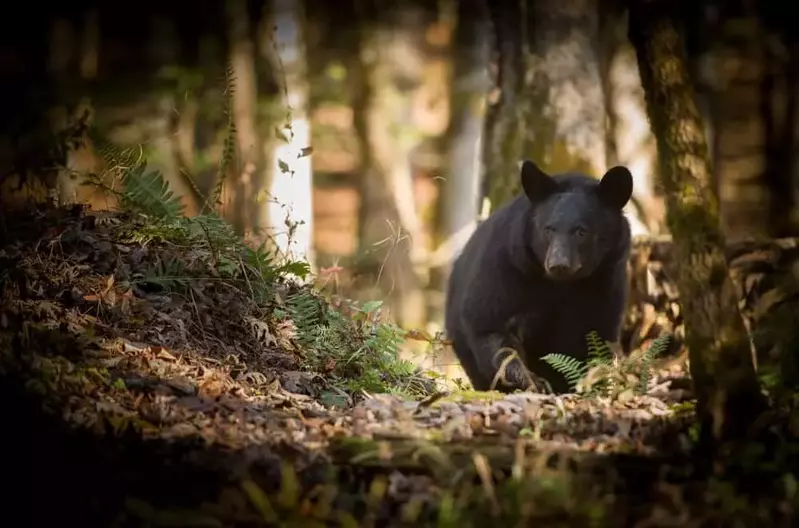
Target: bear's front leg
[{"x": 491, "y": 351}]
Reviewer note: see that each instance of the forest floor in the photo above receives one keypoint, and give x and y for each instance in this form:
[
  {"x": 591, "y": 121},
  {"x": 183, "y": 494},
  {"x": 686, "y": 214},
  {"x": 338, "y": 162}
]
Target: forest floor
[{"x": 145, "y": 387}]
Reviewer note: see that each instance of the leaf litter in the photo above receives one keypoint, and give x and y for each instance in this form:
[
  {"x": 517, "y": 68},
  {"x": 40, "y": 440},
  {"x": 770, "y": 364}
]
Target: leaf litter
[{"x": 206, "y": 371}]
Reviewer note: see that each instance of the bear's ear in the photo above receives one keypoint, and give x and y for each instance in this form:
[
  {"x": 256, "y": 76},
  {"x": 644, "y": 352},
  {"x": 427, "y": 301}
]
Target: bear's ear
[
  {"x": 616, "y": 187},
  {"x": 537, "y": 184}
]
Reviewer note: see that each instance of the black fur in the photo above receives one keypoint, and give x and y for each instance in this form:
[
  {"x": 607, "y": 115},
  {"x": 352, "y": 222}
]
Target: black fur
[{"x": 539, "y": 274}]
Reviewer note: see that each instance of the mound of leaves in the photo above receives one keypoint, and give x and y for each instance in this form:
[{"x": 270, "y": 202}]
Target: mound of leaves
[{"x": 191, "y": 286}]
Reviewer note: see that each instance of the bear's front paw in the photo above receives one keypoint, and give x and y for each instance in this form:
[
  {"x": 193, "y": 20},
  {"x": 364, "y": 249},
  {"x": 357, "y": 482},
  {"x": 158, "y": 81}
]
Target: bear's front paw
[{"x": 515, "y": 376}]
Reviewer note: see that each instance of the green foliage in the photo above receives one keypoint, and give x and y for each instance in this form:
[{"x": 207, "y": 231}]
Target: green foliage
[
  {"x": 658, "y": 347},
  {"x": 599, "y": 352},
  {"x": 229, "y": 143},
  {"x": 357, "y": 351},
  {"x": 360, "y": 351},
  {"x": 603, "y": 373},
  {"x": 143, "y": 191},
  {"x": 571, "y": 368},
  {"x": 148, "y": 192},
  {"x": 168, "y": 274}
]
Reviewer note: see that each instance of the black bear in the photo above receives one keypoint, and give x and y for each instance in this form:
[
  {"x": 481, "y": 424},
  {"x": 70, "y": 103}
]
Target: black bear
[{"x": 539, "y": 274}]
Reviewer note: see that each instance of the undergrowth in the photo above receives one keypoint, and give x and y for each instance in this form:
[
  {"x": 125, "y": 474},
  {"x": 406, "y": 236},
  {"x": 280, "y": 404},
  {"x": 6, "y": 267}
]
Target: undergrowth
[
  {"x": 603, "y": 373},
  {"x": 358, "y": 351}
]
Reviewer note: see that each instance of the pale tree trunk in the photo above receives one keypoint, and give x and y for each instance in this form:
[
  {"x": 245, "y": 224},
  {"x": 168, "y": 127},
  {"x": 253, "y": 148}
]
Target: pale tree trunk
[
  {"x": 566, "y": 121},
  {"x": 460, "y": 187},
  {"x": 470, "y": 83},
  {"x": 551, "y": 105},
  {"x": 292, "y": 172},
  {"x": 389, "y": 227},
  {"x": 397, "y": 67},
  {"x": 164, "y": 51},
  {"x": 629, "y": 138},
  {"x": 239, "y": 199},
  {"x": 727, "y": 390}
]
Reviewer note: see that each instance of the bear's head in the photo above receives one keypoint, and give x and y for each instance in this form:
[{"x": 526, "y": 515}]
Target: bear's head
[{"x": 577, "y": 220}]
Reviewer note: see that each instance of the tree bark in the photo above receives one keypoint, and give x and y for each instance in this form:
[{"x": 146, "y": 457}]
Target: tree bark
[
  {"x": 629, "y": 140},
  {"x": 727, "y": 390},
  {"x": 566, "y": 117},
  {"x": 505, "y": 125},
  {"x": 460, "y": 199},
  {"x": 385, "y": 239}
]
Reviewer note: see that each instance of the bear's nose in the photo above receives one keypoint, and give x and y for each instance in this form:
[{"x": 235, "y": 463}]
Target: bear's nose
[{"x": 559, "y": 271}]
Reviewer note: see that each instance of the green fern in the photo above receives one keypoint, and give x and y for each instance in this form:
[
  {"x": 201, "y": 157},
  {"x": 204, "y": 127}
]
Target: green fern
[
  {"x": 305, "y": 312},
  {"x": 229, "y": 143},
  {"x": 570, "y": 368},
  {"x": 149, "y": 193},
  {"x": 143, "y": 191},
  {"x": 658, "y": 347},
  {"x": 599, "y": 351},
  {"x": 167, "y": 274},
  {"x": 600, "y": 356},
  {"x": 118, "y": 159},
  {"x": 365, "y": 356}
]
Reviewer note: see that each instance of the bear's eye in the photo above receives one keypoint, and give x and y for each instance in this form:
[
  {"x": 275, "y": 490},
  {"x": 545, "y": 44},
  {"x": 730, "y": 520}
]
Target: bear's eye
[
  {"x": 580, "y": 232},
  {"x": 548, "y": 230}
]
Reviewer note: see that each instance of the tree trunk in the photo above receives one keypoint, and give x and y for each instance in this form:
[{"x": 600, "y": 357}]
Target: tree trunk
[
  {"x": 291, "y": 187},
  {"x": 505, "y": 119},
  {"x": 746, "y": 68},
  {"x": 566, "y": 121},
  {"x": 551, "y": 106},
  {"x": 727, "y": 390},
  {"x": 460, "y": 198},
  {"x": 460, "y": 188},
  {"x": 239, "y": 193},
  {"x": 629, "y": 139},
  {"x": 81, "y": 159},
  {"x": 380, "y": 106},
  {"x": 735, "y": 72}
]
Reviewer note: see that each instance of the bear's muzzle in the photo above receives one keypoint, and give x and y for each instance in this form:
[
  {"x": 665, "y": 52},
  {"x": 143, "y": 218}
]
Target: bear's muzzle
[{"x": 562, "y": 260}]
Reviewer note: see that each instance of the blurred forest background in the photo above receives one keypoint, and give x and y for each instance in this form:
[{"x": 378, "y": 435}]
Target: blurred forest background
[{"x": 370, "y": 137}]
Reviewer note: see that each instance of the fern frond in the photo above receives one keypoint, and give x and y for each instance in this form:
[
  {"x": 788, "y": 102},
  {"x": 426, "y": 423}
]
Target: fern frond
[
  {"x": 118, "y": 159},
  {"x": 219, "y": 234},
  {"x": 599, "y": 351},
  {"x": 305, "y": 312},
  {"x": 149, "y": 193},
  {"x": 168, "y": 274},
  {"x": 570, "y": 368},
  {"x": 229, "y": 143},
  {"x": 659, "y": 346}
]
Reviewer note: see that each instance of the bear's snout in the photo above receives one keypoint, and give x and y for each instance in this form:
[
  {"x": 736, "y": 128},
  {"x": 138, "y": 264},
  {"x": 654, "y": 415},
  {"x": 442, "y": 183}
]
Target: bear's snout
[{"x": 562, "y": 260}]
